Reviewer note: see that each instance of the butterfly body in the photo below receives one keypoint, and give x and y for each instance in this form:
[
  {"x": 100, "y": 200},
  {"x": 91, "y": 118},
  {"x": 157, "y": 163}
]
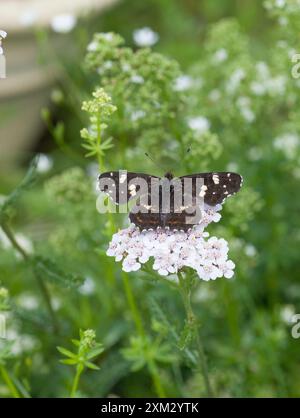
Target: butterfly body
[{"x": 214, "y": 188}]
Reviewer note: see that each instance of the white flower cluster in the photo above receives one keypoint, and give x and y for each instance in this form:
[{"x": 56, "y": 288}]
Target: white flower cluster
[
  {"x": 173, "y": 250},
  {"x": 3, "y": 35}
]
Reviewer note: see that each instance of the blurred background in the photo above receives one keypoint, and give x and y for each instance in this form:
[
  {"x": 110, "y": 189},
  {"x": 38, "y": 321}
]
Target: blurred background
[{"x": 219, "y": 79}]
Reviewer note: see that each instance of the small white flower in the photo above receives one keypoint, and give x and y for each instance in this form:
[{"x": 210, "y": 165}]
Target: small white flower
[
  {"x": 257, "y": 88},
  {"x": 232, "y": 166},
  {"x": 255, "y": 154},
  {"x": 183, "y": 82},
  {"x": 45, "y": 163},
  {"x": 262, "y": 69},
  {"x": 244, "y": 105},
  {"x": 220, "y": 55},
  {"x": 137, "y": 79},
  {"x": 4, "y": 241},
  {"x": 250, "y": 250},
  {"x": 126, "y": 68},
  {"x": 130, "y": 264},
  {"x": 88, "y": 287},
  {"x": 145, "y": 37},
  {"x": 137, "y": 114},
  {"x": 28, "y": 18},
  {"x": 280, "y": 3},
  {"x": 3, "y": 34},
  {"x": 214, "y": 95},
  {"x": 283, "y": 21},
  {"x": 28, "y": 301},
  {"x": 25, "y": 243},
  {"x": 108, "y": 36},
  {"x": 199, "y": 124},
  {"x": 227, "y": 269},
  {"x": 287, "y": 312},
  {"x": 287, "y": 143},
  {"x": 276, "y": 85},
  {"x": 248, "y": 114},
  {"x": 56, "y": 303},
  {"x": 92, "y": 46},
  {"x": 63, "y": 23},
  {"x": 234, "y": 80}
]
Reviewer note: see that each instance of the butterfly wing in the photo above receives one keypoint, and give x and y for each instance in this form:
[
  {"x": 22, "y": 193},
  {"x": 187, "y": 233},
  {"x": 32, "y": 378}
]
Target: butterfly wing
[
  {"x": 155, "y": 220},
  {"x": 111, "y": 183},
  {"x": 219, "y": 185}
]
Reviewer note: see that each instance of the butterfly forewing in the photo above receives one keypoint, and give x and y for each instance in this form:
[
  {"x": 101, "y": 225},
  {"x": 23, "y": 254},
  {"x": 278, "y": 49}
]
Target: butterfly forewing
[
  {"x": 115, "y": 180},
  {"x": 219, "y": 185}
]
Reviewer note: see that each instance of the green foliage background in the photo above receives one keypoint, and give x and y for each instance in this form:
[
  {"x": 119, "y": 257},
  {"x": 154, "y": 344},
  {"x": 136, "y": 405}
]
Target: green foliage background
[{"x": 252, "y": 103}]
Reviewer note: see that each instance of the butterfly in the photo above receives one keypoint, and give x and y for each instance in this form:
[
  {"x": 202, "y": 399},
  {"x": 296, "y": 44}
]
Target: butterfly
[{"x": 215, "y": 188}]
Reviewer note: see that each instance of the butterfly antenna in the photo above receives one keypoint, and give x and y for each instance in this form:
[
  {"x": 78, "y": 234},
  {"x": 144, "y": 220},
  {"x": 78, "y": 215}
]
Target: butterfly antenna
[{"x": 154, "y": 162}]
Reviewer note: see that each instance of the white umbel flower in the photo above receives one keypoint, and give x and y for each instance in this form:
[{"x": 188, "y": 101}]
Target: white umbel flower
[
  {"x": 172, "y": 250},
  {"x": 45, "y": 163},
  {"x": 183, "y": 82},
  {"x": 63, "y": 23},
  {"x": 145, "y": 37},
  {"x": 199, "y": 124}
]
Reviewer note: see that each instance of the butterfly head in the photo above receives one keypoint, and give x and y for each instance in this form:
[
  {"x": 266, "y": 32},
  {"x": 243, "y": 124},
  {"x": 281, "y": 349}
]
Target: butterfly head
[{"x": 169, "y": 176}]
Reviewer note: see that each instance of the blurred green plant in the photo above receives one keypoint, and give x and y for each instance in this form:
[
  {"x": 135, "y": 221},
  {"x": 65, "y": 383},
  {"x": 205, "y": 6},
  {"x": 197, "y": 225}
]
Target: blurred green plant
[{"x": 87, "y": 350}]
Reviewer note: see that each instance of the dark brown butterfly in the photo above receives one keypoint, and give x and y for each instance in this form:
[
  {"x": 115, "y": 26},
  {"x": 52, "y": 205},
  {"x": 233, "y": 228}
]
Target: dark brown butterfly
[{"x": 217, "y": 186}]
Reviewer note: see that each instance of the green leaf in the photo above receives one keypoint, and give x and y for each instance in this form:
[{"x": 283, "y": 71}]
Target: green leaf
[
  {"x": 66, "y": 352},
  {"x": 26, "y": 183},
  {"x": 91, "y": 365},
  {"x": 69, "y": 362},
  {"x": 48, "y": 270},
  {"x": 76, "y": 342},
  {"x": 94, "y": 352}
]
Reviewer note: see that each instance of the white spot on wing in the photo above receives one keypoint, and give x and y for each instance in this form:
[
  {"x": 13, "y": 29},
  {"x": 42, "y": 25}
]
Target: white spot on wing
[
  {"x": 215, "y": 178},
  {"x": 123, "y": 178}
]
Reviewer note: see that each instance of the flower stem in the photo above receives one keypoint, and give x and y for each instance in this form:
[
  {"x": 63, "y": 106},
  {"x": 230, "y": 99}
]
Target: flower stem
[
  {"x": 99, "y": 156},
  {"x": 9, "y": 383},
  {"x": 133, "y": 307},
  {"x": 44, "y": 290},
  {"x": 152, "y": 367},
  {"x": 185, "y": 290},
  {"x": 79, "y": 370},
  {"x": 156, "y": 379}
]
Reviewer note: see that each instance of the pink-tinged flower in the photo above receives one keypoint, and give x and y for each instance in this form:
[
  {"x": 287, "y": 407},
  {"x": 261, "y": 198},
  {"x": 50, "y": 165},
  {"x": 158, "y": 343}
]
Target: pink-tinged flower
[{"x": 171, "y": 250}]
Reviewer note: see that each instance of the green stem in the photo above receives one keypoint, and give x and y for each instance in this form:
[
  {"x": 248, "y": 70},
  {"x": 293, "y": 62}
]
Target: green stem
[
  {"x": 156, "y": 379},
  {"x": 13, "y": 240},
  {"x": 9, "y": 382},
  {"x": 133, "y": 307},
  {"x": 79, "y": 370},
  {"x": 185, "y": 290},
  {"x": 99, "y": 156},
  {"x": 45, "y": 293},
  {"x": 47, "y": 299},
  {"x": 152, "y": 367}
]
